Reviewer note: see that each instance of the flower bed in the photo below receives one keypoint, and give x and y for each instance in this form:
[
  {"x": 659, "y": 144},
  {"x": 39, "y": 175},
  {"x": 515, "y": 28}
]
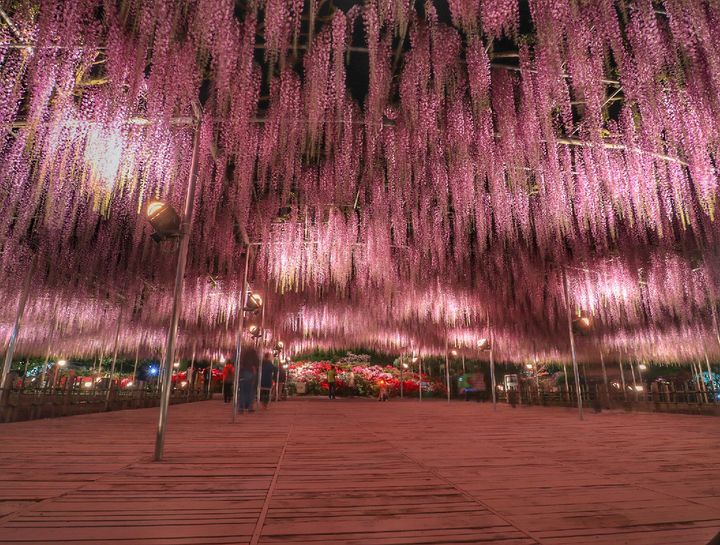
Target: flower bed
[{"x": 359, "y": 380}]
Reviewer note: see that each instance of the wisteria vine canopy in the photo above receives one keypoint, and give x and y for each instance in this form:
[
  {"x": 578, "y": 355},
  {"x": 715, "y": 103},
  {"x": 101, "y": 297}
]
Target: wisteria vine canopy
[{"x": 400, "y": 171}]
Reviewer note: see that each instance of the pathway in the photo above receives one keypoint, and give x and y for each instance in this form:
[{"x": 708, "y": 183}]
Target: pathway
[{"x": 361, "y": 472}]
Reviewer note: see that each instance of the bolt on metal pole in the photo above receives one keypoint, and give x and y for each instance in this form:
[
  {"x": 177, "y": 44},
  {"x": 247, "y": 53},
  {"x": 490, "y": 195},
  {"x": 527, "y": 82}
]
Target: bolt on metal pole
[
  {"x": 576, "y": 372},
  {"x": 177, "y": 300},
  {"x": 114, "y": 361},
  {"x": 10, "y": 352},
  {"x": 239, "y": 336}
]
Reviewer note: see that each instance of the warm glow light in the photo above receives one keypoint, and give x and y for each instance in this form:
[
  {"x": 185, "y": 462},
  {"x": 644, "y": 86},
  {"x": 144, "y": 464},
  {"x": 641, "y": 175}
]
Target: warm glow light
[
  {"x": 154, "y": 207},
  {"x": 482, "y": 342},
  {"x": 529, "y": 365},
  {"x": 87, "y": 384},
  {"x": 129, "y": 384},
  {"x": 414, "y": 359},
  {"x": 176, "y": 364},
  {"x": 183, "y": 384},
  {"x": 585, "y": 321},
  {"x": 62, "y": 363},
  {"x": 642, "y": 366},
  {"x": 639, "y": 388},
  {"x": 222, "y": 359},
  {"x": 103, "y": 152},
  {"x": 454, "y": 352},
  {"x": 405, "y": 365}
]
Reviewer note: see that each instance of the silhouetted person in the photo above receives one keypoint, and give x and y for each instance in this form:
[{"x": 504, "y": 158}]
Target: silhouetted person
[
  {"x": 267, "y": 377},
  {"x": 331, "y": 377},
  {"x": 247, "y": 369},
  {"x": 228, "y": 375}
]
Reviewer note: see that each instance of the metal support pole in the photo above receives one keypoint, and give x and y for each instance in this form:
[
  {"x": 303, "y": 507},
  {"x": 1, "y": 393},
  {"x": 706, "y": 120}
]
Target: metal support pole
[
  {"x": 24, "y": 377},
  {"x": 567, "y": 387},
  {"x": 463, "y": 364},
  {"x": 420, "y": 377},
  {"x": 402, "y": 364},
  {"x": 622, "y": 377},
  {"x": 239, "y": 336},
  {"x": 447, "y": 367},
  {"x": 632, "y": 373},
  {"x": 209, "y": 382},
  {"x": 43, "y": 376},
  {"x": 576, "y": 372},
  {"x": 710, "y": 377},
  {"x": 493, "y": 385},
  {"x": 114, "y": 361},
  {"x": 137, "y": 357},
  {"x": 701, "y": 381},
  {"x": 24, "y": 294},
  {"x": 605, "y": 379},
  {"x": 177, "y": 299},
  {"x": 189, "y": 379},
  {"x": 261, "y": 342}
]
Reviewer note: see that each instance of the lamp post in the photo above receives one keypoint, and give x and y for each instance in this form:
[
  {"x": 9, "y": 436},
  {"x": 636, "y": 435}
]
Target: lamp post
[
  {"x": 578, "y": 390},
  {"x": 179, "y": 281}
]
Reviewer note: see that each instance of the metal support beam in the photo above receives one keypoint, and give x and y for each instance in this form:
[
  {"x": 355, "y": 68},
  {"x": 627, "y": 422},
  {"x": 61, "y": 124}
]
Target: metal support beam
[
  {"x": 10, "y": 352},
  {"x": 576, "y": 372},
  {"x": 177, "y": 300}
]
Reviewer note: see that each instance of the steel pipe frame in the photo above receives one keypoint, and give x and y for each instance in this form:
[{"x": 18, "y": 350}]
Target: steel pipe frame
[
  {"x": 239, "y": 336},
  {"x": 179, "y": 281},
  {"x": 24, "y": 295},
  {"x": 578, "y": 389}
]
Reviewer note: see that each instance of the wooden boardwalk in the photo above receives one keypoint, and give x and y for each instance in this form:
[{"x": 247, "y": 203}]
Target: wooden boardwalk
[{"x": 361, "y": 472}]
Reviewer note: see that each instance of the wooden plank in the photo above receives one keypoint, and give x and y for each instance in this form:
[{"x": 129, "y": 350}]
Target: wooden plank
[{"x": 359, "y": 472}]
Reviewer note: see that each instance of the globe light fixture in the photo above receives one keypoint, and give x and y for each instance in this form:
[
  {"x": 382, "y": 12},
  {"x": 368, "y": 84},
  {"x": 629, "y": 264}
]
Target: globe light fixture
[
  {"x": 62, "y": 363},
  {"x": 164, "y": 220},
  {"x": 176, "y": 365},
  {"x": 255, "y": 331},
  {"x": 253, "y": 302}
]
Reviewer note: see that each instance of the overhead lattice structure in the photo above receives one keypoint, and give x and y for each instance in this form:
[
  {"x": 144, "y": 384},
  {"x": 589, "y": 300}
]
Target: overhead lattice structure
[{"x": 401, "y": 170}]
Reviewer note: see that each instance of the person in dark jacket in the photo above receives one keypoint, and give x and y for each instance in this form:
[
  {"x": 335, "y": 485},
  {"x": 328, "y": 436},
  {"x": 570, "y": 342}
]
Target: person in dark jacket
[
  {"x": 268, "y": 376},
  {"x": 247, "y": 369},
  {"x": 228, "y": 376}
]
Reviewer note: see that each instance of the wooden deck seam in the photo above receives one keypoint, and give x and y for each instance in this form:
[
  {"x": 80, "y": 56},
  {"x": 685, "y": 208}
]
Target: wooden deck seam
[
  {"x": 268, "y": 498},
  {"x": 462, "y": 491}
]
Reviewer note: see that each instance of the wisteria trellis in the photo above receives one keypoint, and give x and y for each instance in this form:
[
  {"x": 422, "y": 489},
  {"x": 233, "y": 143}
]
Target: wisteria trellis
[{"x": 496, "y": 142}]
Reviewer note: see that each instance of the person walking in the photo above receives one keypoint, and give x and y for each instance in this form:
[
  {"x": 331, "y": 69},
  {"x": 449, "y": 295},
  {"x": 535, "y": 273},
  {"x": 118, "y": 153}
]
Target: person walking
[
  {"x": 331, "y": 380},
  {"x": 269, "y": 374},
  {"x": 247, "y": 370},
  {"x": 228, "y": 376}
]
